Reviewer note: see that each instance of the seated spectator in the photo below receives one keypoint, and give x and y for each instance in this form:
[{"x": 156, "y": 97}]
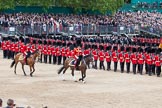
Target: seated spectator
[
  {"x": 10, "y": 103},
  {"x": 1, "y": 103}
]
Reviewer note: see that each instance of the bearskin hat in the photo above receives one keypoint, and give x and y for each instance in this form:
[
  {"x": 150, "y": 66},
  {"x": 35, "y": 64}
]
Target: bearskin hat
[
  {"x": 127, "y": 49},
  {"x": 49, "y": 43},
  {"x": 134, "y": 50},
  {"x": 122, "y": 48},
  {"x": 115, "y": 48},
  {"x": 40, "y": 41},
  {"x": 34, "y": 41},
  {"x": 45, "y": 42},
  {"x": 158, "y": 51}
]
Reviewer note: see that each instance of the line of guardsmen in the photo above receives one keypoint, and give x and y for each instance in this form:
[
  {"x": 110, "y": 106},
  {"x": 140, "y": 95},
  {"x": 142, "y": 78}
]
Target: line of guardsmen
[{"x": 54, "y": 48}]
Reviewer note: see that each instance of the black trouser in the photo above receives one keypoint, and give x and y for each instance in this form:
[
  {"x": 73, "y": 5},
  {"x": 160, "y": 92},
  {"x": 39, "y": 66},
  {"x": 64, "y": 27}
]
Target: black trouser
[
  {"x": 149, "y": 69},
  {"x": 141, "y": 68},
  {"x": 108, "y": 65},
  {"x": 138, "y": 68},
  {"x": 102, "y": 65},
  {"x": 4, "y": 53},
  {"x": 54, "y": 59},
  {"x": 122, "y": 66},
  {"x": 50, "y": 59},
  {"x": 41, "y": 58},
  {"x": 158, "y": 70},
  {"x": 59, "y": 60},
  {"x": 13, "y": 54},
  {"x": 146, "y": 68},
  {"x": 128, "y": 67},
  {"x": 8, "y": 54},
  {"x": 115, "y": 66},
  {"x": 64, "y": 58},
  {"x": 95, "y": 64},
  {"x": 134, "y": 68},
  {"x": 153, "y": 69},
  {"x": 45, "y": 58}
]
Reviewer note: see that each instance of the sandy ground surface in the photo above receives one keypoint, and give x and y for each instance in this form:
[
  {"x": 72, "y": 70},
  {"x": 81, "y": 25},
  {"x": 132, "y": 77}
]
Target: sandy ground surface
[{"x": 103, "y": 89}]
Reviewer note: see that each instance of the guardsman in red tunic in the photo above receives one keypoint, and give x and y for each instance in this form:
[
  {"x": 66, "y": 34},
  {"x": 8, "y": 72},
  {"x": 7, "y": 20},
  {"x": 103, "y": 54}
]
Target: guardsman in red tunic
[
  {"x": 53, "y": 51},
  {"x": 127, "y": 56},
  {"x": 140, "y": 60},
  {"x": 8, "y": 48},
  {"x": 45, "y": 51},
  {"x": 4, "y": 47},
  {"x": 13, "y": 49},
  {"x": 101, "y": 57},
  {"x": 158, "y": 62},
  {"x": 149, "y": 63},
  {"x": 115, "y": 57},
  {"x": 153, "y": 61},
  {"x": 39, "y": 47},
  {"x": 63, "y": 52},
  {"x": 134, "y": 60},
  {"x": 121, "y": 59},
  {"x": 108, "y": 57},
  {"x": 58, "y": 53},
  {"x": 49, "y": 51},
  {"x": 95, "y": 55}
]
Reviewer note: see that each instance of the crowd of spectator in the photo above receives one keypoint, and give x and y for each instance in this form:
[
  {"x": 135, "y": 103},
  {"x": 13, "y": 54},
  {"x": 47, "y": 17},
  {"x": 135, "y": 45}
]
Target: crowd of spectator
[
  {"x": 151, "y": 20},
  {"x": 149, "y": 5}
]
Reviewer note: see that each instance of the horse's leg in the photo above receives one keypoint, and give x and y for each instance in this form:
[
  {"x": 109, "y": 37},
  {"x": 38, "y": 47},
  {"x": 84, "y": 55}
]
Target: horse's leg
[
  {"x": 15, "y": 67},
  {"x": 84, "y": 75},
  {"x": 31, "y": 72},
  {"x": 72, "y": 73},
  {"x": 64, "y": 73},
  {"x": 23, "y": 69},
  {"x": 88, "y": 65}
]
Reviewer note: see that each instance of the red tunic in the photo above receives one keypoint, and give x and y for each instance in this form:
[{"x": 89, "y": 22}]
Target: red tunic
[{"x": 108, "y": 57}]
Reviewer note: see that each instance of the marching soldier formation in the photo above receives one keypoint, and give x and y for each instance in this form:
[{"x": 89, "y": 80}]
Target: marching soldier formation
[{"x": 139, "y": 52}]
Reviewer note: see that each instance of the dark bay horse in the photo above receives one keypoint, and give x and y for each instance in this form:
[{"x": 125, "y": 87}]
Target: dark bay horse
[
  {"x": 31, "y": 61},
  {"x": 82, "y": 67}
]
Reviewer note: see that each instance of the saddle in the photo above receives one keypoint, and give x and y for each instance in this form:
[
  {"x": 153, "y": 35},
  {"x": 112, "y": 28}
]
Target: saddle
[
  {"x": 72, "y": 63},
  {"x": 22, "y": 57}
]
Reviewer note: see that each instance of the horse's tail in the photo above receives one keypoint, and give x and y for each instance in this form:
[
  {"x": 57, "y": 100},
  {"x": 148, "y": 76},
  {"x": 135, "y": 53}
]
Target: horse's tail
[
  {"x": 60, "y": 70},
  {"x": 12, "y": 64}
]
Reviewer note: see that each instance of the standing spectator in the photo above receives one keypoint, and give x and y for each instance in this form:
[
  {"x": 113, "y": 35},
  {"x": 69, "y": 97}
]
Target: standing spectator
[
  {"x": 10, "y": 103},
  {"x": 1, "y": 102}
]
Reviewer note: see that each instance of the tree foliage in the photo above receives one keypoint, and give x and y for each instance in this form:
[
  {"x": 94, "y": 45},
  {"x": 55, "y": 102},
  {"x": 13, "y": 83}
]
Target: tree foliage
[{"x": 101, "y": 5}]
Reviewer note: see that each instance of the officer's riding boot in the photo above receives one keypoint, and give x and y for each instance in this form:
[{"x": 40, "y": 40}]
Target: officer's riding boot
[{"x": 77, "y": 65}]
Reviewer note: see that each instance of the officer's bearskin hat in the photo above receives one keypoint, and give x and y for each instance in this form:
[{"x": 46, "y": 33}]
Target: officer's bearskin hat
[
  {"x": 49, "y": 43},
  {"x": 16, "y": 39},
  {"x": 158, "y": 51},
  {"x": 64, "y": 44},
  {"x": 127, "y": 49},
  {"x": 140, "y": 50},
  {"x": 115, "y": 48},
  {"x": 85, "y": 46},
  {"x": 27, "y": 40},
  {"x": 45, "y": 42},
  {"x": 134, "y": 50},
  {"x": 40, "y": 41},
  {"x": 153, "y": 50},
  {"x": 34, "y": 41},
  {"x": 101, "y": 47},
  {"x": 22, "y": 39},
  {"x": 122, "y": 48}
]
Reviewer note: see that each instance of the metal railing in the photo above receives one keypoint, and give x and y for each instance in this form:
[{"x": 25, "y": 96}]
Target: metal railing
[{"x": 88, "y": 29}]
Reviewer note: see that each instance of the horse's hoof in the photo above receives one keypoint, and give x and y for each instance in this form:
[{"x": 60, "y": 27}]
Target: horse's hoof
[
  {"x": 31, "y": 75},
  {"x": 80, "y": 79}
]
